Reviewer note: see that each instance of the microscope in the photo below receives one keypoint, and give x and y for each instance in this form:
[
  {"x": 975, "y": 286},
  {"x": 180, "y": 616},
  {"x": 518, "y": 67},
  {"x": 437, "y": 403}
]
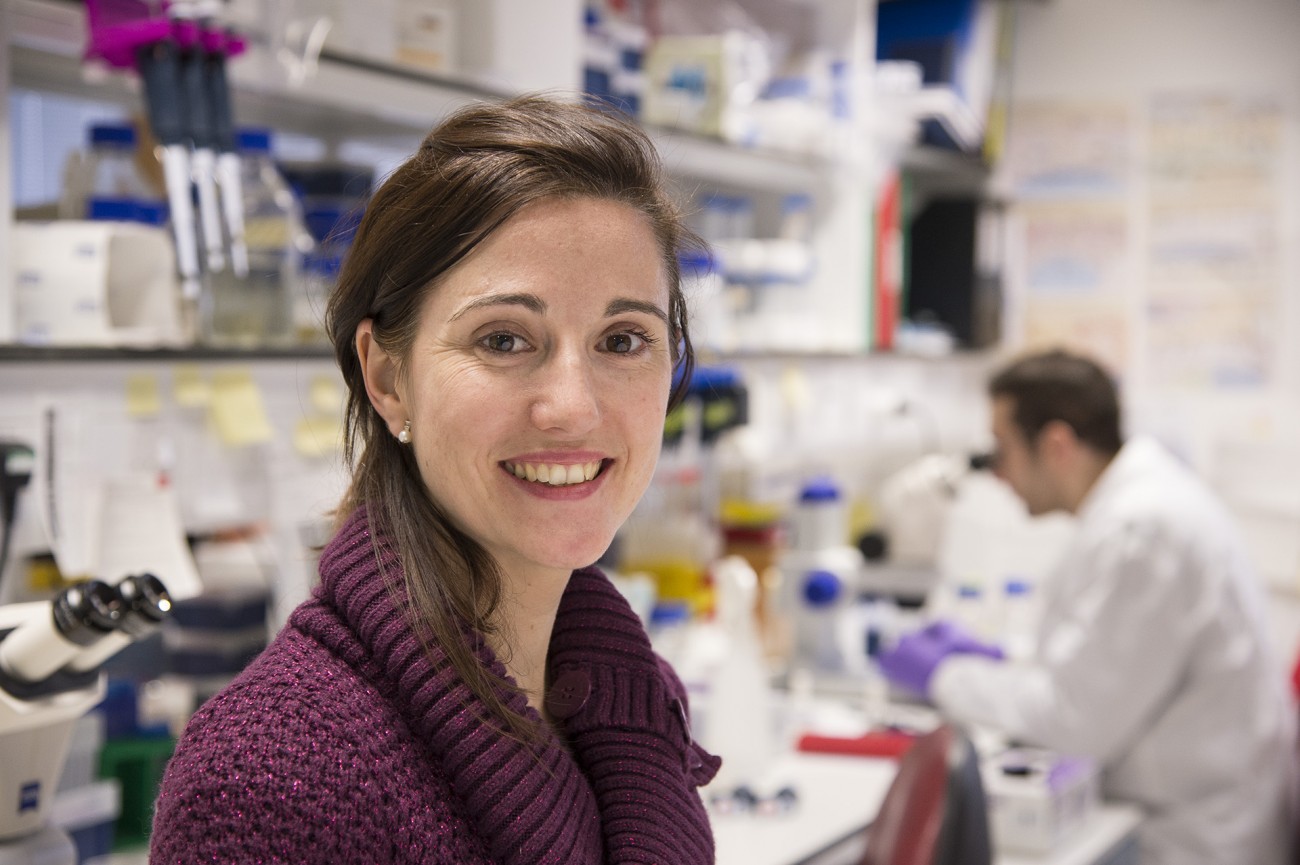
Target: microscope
[{"x": 50, "y": 657}]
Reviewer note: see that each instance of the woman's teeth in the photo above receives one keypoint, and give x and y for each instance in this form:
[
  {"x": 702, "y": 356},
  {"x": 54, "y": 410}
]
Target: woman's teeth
[{"x": 553, "y": 473}]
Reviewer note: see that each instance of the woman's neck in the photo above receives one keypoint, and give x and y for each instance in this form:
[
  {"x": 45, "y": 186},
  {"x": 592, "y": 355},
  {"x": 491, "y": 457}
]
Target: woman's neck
[{"x": 524, "y": 621}]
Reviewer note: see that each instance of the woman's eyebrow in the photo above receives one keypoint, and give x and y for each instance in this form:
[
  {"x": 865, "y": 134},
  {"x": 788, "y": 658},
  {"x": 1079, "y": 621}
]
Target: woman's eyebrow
[
  {"x": 529, "y": 301},
  {"x": 623, "y": 304}
]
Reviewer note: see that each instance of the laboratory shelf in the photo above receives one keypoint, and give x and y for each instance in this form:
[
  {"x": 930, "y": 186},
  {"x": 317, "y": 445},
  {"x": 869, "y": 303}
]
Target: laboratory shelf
[
  {"x": 713, "y": 161},
  {"x": 80, "y": 354},
  {"x": 343, "y": 97},
  {"x": 346, "y": 97},
  {"x": 938, "y": 160}
]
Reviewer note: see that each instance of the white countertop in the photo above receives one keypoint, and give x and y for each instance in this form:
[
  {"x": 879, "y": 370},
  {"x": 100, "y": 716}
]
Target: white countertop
[{"x": 838, "y": 798}]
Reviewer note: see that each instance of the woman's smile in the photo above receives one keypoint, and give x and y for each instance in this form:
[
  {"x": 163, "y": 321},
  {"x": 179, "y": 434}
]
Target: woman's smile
[{"x": 555, "y": 474}]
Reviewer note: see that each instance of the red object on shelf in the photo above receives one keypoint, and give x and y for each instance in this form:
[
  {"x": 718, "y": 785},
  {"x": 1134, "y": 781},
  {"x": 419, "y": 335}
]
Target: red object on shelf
[
  {"x": 878, "y": 743},
  {"x": 887, "y": 281}
]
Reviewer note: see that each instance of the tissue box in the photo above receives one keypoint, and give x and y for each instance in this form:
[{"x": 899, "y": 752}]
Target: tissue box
[
  {"x": 1038, "y": 798},
  {"x": 95, "y": 283}
]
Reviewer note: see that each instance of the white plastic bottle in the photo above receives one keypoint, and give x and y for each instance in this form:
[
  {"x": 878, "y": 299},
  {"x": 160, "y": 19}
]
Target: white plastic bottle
[
  {"x": 741, "y": 724},
  {"x": 820, "y": 519},
  {"x": 1019, "y": 618},
  {"x": 258, "y": 309},
  {"x": 971, "y": 610}
]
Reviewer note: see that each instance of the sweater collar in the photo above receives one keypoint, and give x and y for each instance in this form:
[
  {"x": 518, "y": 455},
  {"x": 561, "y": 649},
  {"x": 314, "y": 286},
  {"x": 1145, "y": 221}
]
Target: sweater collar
[{"x": 497, "y": 778}]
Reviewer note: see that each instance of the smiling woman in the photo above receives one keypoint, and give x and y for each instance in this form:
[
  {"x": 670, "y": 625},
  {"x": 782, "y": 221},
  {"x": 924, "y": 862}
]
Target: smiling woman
[
  {"x": 464, "y": 686},
  {"x": 571, "y": 366}
]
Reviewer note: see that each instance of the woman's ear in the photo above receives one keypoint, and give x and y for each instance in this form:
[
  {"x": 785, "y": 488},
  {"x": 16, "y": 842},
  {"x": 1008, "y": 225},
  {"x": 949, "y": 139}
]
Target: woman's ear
[{"x": 379, "y": 369}]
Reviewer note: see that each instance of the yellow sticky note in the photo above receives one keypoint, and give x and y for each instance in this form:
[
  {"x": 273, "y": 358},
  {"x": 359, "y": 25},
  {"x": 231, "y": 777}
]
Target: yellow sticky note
[
  {"x": 318, "y": 436},
  {"x": 326, "y": 395},
  {"x": 189, "y": 387},
  {"x": 142, "y": 397},
  {"x": 237, "y": 410}
]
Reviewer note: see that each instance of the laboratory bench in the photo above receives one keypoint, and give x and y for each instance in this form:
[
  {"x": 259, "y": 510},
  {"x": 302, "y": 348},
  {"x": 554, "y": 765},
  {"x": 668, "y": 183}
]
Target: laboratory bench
[{"x": 838, "y": 796}]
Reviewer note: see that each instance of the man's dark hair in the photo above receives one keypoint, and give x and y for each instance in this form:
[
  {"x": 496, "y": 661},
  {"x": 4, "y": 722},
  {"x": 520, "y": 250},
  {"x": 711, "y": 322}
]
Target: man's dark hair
[{"x": 1057, "y": 385}]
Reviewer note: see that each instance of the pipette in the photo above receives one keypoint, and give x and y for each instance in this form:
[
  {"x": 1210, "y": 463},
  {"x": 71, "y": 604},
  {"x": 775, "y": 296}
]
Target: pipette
[
  {"x": 221, "y": 45},
  {"x": 160, "y": 70},
  {"x": 203, "y": 159}
]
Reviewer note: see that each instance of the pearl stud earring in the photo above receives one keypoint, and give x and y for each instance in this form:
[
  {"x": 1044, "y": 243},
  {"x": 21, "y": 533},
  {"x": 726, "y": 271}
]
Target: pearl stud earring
[{"x": 405, "y": 435}]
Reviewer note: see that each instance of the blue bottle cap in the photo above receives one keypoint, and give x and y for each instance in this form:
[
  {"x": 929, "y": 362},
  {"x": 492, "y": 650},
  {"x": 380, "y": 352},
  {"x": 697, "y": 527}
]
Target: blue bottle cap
[
  {"x": 112, "y": 135},
  {"x": 820, "y": 490},
  {"x": 253, "y": 140},
  {"x": 322, "y": 264},
  {"x": 696, "y": 262},
  {"x": 718, "y": 201},
  {"x": 670, "y": 613},
  {"x": 111, "y": 209},
  {"x": 969, "y": 591},
  {"x": 795, "y": 202},
  {"x": 127, "y": 210},
  {"x": 705, "y": 379},
  {"x": 1017, "y": 586},
  {"x": 822, "y": 588},
  {"x": 151, "y": 212}
]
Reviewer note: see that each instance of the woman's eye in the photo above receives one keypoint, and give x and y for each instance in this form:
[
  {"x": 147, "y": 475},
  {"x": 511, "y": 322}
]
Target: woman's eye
[
  {"x": 504, "y": 342},
  {"x": 624, "y": 343}
]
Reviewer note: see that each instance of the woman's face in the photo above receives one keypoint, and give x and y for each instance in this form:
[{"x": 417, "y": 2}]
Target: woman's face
[{"x": 537, "y": 384}]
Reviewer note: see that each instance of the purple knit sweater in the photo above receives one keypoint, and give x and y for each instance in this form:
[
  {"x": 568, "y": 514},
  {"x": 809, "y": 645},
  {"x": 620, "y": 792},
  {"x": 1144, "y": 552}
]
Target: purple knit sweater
[{"x": 344, "y": 742}]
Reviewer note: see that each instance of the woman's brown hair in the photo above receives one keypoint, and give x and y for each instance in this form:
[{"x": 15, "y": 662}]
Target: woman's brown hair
[{"x": 475, "y": 170}]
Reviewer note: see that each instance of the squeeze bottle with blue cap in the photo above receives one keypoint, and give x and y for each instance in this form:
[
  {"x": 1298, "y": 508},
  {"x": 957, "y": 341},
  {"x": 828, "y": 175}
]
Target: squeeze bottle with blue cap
[
  {"x": 971, "y": 610},
  {"x": 821, "y": 575},
  {"x": 1018, "y": 617},
  {"x": 825, "y": 595}
]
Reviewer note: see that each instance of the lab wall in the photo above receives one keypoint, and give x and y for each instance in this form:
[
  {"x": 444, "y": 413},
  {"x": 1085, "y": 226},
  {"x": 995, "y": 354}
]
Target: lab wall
[
  {"x": 1132, "y": 61},
  {"x": 1157, "y": 143}
]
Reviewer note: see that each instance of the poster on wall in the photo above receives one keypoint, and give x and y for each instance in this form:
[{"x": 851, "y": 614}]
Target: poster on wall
[
  {"x": 1213, "y": 257},
  {"x": 1070, "y": 150},
  {"x": 1098, "y": 327},
  {"x": 1077, "y": 277},
  {"x": 1077, "y": 250}
]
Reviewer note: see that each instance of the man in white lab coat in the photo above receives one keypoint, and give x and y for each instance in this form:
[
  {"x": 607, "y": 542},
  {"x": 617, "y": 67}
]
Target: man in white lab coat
[{"x": 1152, "y": 654}]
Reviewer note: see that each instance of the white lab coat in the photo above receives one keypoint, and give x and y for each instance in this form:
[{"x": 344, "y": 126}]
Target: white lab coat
[{"x": 1153, "y": 658}]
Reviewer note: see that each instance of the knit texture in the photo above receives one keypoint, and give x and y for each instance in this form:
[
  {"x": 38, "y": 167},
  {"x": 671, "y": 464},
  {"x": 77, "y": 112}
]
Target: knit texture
[{"x": 345, "y": 741}]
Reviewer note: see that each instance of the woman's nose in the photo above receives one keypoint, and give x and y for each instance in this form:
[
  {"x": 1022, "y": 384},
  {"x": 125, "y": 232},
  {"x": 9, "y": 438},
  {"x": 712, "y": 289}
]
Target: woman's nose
[{"x": 567, "y": 400}]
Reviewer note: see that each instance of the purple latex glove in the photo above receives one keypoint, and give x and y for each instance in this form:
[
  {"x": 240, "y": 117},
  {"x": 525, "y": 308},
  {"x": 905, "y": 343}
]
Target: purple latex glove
[
  {"x": 912, "y": 662},
  {"x": 960, "y": 641}
]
